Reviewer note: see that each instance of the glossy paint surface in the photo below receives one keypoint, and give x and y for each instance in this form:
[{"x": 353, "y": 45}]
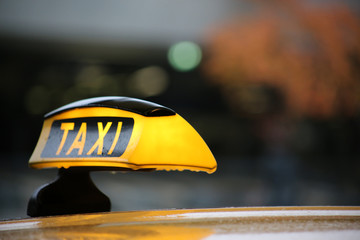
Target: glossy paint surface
[{"x": 226, "y": 223}]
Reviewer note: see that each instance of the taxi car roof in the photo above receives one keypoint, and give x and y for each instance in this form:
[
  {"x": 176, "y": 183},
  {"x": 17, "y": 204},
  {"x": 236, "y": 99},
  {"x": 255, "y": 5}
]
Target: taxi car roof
[{"x": 220, "y": 223}]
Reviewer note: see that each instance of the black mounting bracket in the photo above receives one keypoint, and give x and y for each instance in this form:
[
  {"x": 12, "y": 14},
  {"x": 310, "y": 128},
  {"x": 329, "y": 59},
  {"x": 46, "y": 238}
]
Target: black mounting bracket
[{"x": 72, "y": 192}]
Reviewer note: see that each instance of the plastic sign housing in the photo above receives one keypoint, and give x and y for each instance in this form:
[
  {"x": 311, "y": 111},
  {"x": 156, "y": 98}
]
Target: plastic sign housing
[{"x": 120, "y": 132}]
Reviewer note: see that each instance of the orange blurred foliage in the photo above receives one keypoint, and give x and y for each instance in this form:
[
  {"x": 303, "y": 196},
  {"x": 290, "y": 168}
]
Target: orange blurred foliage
[{"x": 310, "y": 53}]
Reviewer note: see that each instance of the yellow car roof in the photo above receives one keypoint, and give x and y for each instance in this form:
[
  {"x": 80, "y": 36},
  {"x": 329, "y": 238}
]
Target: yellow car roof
[{"x": 223, "y": 223}]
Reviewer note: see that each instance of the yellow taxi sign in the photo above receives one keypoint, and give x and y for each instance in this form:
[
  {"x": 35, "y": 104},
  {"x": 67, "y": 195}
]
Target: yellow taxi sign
[
  {"x": 119, "y": 132},
  {"x": 88, "y": 137}
]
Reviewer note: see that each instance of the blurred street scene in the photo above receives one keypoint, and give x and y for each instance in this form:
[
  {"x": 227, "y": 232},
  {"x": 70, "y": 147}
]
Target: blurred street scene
[{"x": 273, "y": 87}]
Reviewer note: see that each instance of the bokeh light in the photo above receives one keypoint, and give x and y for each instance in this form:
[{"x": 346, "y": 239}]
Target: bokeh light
[
  {"x": 149, "y": 81},
  {"x": 185, "y": 56}
]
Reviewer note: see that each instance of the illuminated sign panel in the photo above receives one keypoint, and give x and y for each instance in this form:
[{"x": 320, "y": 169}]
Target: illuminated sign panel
[
  {"x": 123, "y": 133},
  {"x": 88, "y": 137}
]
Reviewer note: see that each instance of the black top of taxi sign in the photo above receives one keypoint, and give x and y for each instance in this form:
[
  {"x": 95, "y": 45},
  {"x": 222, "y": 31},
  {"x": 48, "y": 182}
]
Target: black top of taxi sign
[{"x": 138, "y": 106}]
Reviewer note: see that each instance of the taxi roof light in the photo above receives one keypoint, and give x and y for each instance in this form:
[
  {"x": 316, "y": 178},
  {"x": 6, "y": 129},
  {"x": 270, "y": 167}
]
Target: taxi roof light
[
  {"x": 115, "y": 133},
  {"x": 120, "y": 132}
]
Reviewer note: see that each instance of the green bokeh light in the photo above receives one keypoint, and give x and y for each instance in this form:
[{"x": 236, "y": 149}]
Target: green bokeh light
[{"x": 184, "y": 56}]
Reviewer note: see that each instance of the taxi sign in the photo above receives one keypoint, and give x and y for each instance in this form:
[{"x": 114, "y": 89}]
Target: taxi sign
[
  {"x": 88, "y": 137},
  {"x": 120, "y": 133}
]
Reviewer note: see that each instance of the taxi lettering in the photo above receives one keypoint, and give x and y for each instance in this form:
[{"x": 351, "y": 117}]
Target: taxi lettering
[{"x": 88, "y": 137}]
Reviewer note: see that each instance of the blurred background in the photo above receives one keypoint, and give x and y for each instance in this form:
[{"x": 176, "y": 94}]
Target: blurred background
[{"x": 273, "y": 87}]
